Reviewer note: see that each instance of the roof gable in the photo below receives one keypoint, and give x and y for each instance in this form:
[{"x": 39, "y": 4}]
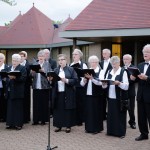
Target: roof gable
[
  {"x": 32, "y": 28},
  {"x": 113, "y": 14}
]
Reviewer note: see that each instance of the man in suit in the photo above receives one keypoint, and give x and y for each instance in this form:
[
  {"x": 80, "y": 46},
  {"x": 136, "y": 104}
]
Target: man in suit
[
  {"x": 26, "y": 102},
  {"x": 53, "y": 65},
  {"x": 48, "y": 58},
  {"x": 127, "y": 59},
  {"x": 105, "y": 65},
  {"x": 143, "y": 95}
]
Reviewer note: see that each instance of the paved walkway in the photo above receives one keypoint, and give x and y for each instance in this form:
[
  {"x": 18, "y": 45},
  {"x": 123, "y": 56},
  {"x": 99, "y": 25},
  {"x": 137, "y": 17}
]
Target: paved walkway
[{"x": 36, "y": 138}]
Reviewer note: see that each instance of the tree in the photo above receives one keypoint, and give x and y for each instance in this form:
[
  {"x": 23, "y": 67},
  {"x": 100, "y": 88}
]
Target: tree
[{"x": 10, "y": 2}]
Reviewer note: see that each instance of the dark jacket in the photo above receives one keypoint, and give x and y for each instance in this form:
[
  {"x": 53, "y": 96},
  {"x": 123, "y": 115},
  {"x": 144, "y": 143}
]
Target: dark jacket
[
  {"x": 120, "y": 94},
  {"x": 143, "y": 92},
  {"x": 16, "y": 86},
  {"x": 53, "y": 63},
  {"x": 96, "y": 89},
  {"x": 131, "y": 90},
  {"x": 70, "y": 101},
  {"x": 44, "y": 82}
]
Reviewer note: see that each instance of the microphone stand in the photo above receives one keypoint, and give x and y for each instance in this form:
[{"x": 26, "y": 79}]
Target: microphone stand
[{"x": 49, "y": 106}]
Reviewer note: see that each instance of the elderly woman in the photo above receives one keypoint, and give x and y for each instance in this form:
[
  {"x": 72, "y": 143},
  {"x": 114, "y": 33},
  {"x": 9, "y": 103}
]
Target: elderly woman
[
  {"x": 15, "y": 87},
  {"x": 40, "y": 87},
  {"x": 80, "y": 91},
  {"x": 64, "y": 96},
  {"x": 3, "y": 101},
  {"x": 116, "y": 118},
  {"x": 94, "y": 93}
]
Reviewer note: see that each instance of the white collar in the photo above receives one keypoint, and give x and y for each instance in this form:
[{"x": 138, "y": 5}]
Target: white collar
[
  {"x": 108, "y": 60},
  {"x": 116, "y": 73},
  {"x": 2, "y": 67}
]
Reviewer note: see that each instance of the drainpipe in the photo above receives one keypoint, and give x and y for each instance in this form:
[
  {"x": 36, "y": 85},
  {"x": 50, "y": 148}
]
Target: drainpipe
[
  {"x": 135, "y": 53},
  {"x": 74, "y": 43}
]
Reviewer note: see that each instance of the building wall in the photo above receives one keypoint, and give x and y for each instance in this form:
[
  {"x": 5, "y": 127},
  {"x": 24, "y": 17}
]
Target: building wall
[
  {"x": 95, "y": 49},
  {"x": 32, "y": 53}
]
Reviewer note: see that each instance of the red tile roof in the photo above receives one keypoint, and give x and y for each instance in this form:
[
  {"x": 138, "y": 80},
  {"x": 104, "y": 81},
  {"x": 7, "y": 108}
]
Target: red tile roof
[
  {"x": 31, "y": 28},
  {"x": 3, "y": 29},
  {"x": 113, "y": 14}
]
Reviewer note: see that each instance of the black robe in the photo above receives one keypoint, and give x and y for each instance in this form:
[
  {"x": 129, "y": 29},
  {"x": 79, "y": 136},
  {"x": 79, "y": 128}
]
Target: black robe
[
  {"x": 15, "y": 89},
  {"x": 3, "y": 100},
  {"x": 64, "y": 102}
]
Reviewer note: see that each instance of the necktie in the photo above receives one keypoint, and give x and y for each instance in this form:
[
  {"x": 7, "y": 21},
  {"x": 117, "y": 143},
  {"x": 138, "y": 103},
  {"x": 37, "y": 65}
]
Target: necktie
[{"x": 146, "y": 63}]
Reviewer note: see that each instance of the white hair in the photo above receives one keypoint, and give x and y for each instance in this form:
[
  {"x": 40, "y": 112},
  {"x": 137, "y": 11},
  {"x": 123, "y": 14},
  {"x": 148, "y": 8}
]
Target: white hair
[
  {"x": 127, "y": 55},
  {"x": 16, "y": 57},
  {"x": 78, "y": 51},
  {"x": 46, "y": 50},
  {"x": 93, "y": 58},
  {"x": 114, "y": 59},
  {"x": 107, "y": 50},
  {"x": 2, "y": 56},
  {"x": 41, "y": 53},
  {"x": 146, "y": 48}
]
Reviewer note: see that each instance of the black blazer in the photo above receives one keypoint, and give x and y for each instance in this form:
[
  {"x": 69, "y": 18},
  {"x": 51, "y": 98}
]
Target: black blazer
[
  {"x": 143, "y": 92},
  {"x": 16, "y": 86},
  {"x": 53, "y": 63},
  {"x": 4, "y": 81},
  {"x": 70, "y": 101},
  {"x": 102, "y": 66},
  {"x": 131, "y": 90}
]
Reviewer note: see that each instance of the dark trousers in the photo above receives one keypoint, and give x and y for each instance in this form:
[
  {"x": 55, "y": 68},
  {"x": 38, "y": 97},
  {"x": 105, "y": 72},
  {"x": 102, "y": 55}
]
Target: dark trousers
[
  {"x": 3, "y": 105},
  {"x": 104, "y": 99},
  {"x": 131, "y": 111},
  {"x": 143, "y": 117}
]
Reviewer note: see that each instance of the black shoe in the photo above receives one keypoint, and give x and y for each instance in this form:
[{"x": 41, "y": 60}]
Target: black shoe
[
  {"x": 57, "y": 130},
  {"x": 79, "y": 124},
  {"x": 141, "y": 137},
  {"x": 42, "y": 123},
  {"x": 18, "y": 127},
  {"x": 121, "y": 137},
  {"x": 35, "y": 123},
  {"x": 68, "y": 130},
  {"x": 133, "y": 126},
  {"x": 9, "y": 127},
  {"x": 95, "y": 132}
]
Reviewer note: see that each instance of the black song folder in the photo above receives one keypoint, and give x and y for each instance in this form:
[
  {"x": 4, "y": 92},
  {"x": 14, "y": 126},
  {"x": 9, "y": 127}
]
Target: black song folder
[
  {"x": 54, "y": 75},
  {"x": 81, "y": 72},
  {"x": 109, "y": 81},
  {"x": 134, "y": 71},
  {"x": 35, "y": 67},
  {"x": 14, "y": 73},
  {"x": 77, "y": 65},
  {"x": 3, "y": 74},
  {"x": 11, "y": 73}
]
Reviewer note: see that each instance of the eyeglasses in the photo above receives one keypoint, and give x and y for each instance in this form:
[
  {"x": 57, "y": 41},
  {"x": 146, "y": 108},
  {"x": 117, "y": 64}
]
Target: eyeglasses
[{"x": 61, "y": 59}]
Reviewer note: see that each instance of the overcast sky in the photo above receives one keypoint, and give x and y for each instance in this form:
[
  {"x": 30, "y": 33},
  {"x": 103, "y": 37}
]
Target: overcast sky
[{"x": 57, "y": 10}]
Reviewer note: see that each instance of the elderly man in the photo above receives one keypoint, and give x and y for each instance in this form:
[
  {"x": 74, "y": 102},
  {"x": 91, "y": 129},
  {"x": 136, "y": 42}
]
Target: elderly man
[
  {"x": 127, "y": 59},
  {"x": 105, "y": 65},
  {"x": 143, "y": 95},
  {"x": 3, "y": 102},
  {"x": 48, "y": 58},
  {"x": 15, "y": 87},
  {"x": 26, "y": 103}
]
